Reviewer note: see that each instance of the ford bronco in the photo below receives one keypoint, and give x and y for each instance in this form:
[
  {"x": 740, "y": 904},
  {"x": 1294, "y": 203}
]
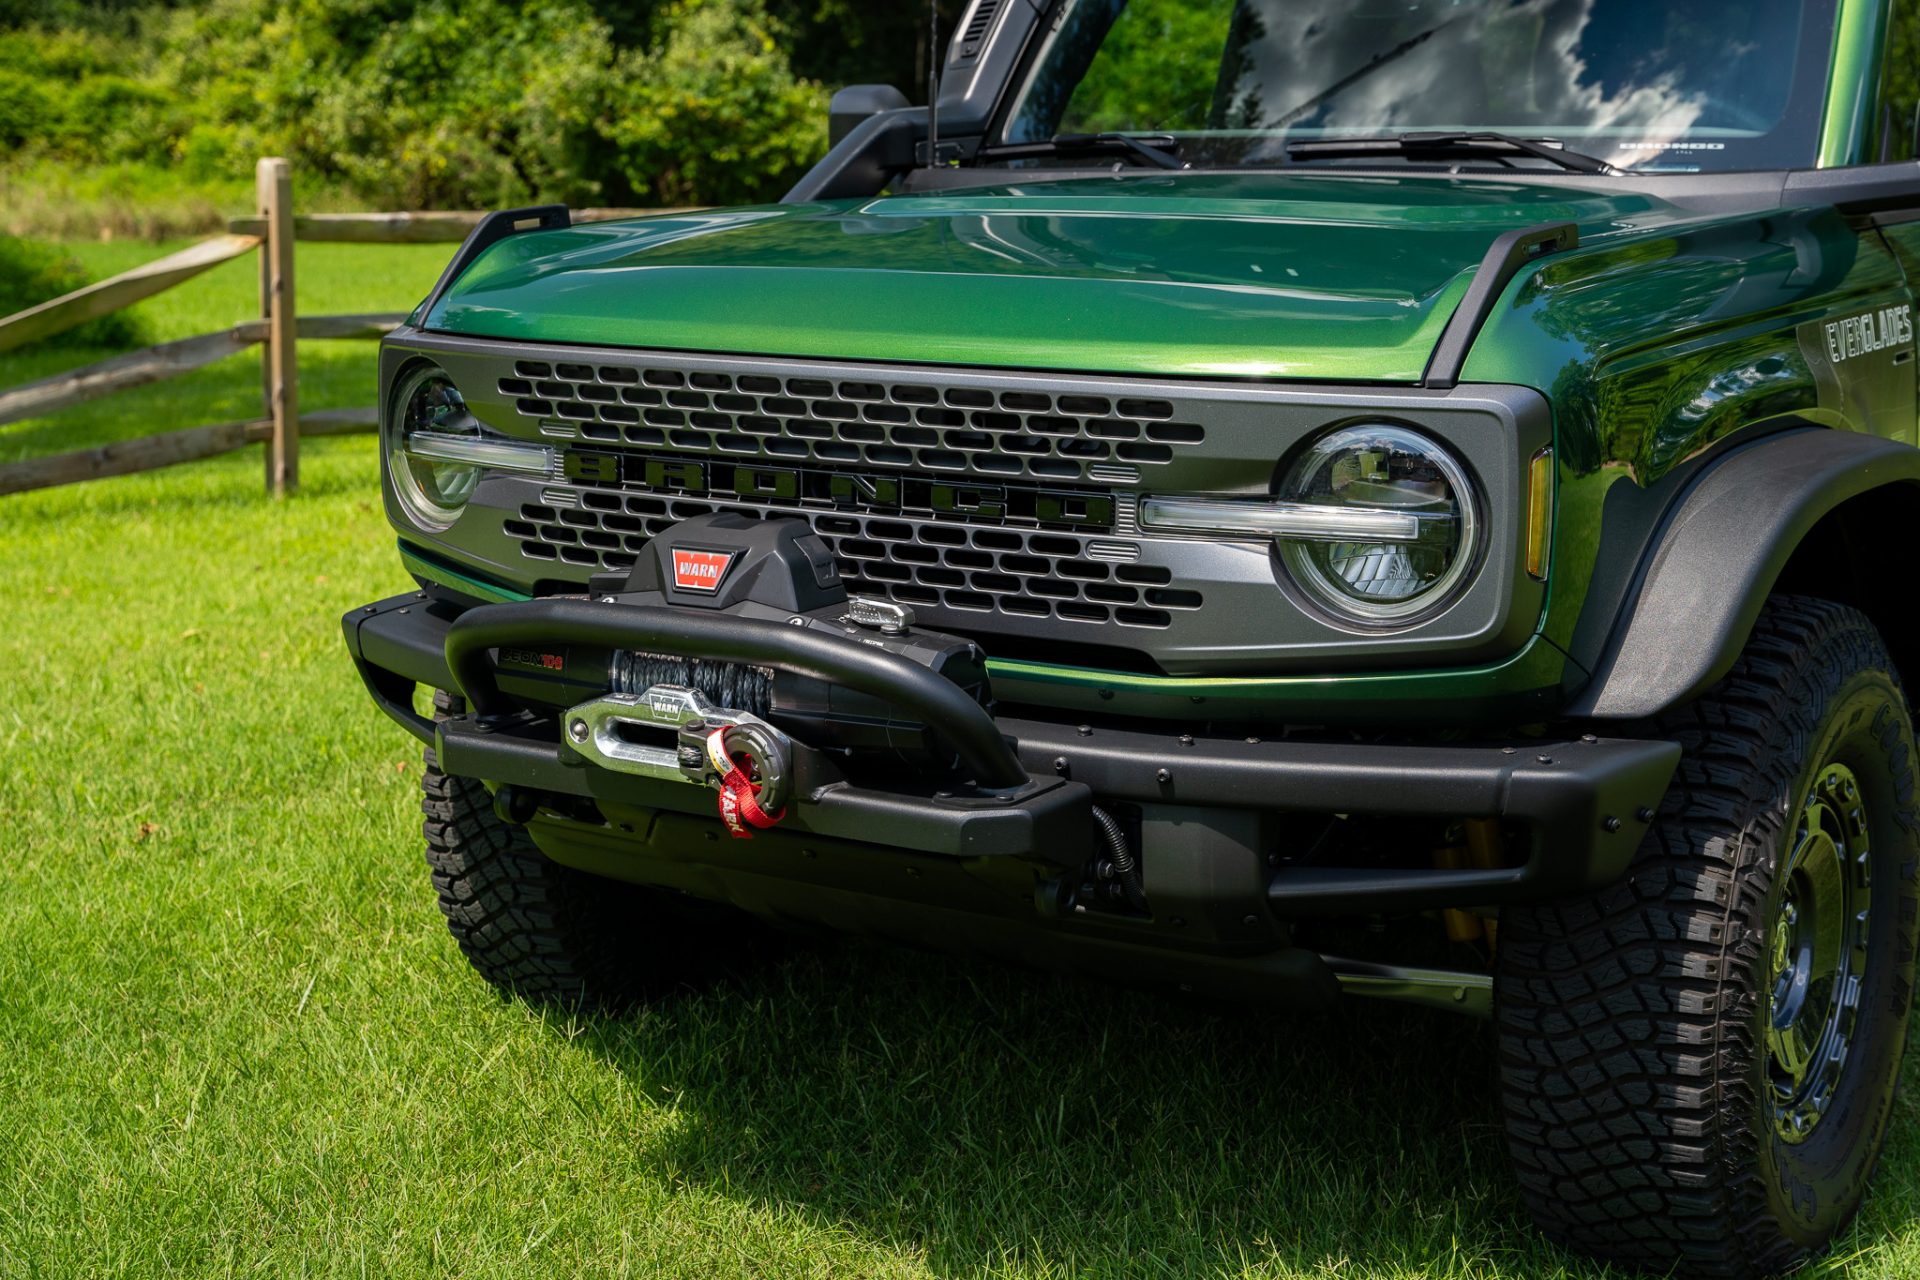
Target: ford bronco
[{"x": 1283, "y": 500}]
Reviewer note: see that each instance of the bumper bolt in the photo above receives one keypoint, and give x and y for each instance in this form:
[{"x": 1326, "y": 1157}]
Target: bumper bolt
[
  {"x": 1643, "y": 813},
  {"x": 577, "y": 730},
  {"x": 1610, "y": 824},
  {"x": 1163, "y": 775},
  {"x": 1059, "y": 764}
]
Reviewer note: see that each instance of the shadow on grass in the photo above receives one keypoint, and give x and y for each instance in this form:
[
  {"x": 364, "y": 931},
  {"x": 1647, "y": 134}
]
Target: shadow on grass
[{"x": 974, "y": 1115}]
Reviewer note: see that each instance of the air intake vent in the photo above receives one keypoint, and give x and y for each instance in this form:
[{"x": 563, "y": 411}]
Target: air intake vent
[{"x": 977, "y": 27}]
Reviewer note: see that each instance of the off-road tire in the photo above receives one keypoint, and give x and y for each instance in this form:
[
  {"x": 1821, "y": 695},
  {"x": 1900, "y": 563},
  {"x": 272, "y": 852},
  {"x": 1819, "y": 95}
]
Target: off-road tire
[
  {"x": 1633, "y": 1023},
  {"x": 550, "y": 934}
]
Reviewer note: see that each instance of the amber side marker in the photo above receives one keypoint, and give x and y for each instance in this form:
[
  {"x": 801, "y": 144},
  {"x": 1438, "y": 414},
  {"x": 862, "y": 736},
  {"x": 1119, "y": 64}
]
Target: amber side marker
[{"x": 1539, "y": 512}]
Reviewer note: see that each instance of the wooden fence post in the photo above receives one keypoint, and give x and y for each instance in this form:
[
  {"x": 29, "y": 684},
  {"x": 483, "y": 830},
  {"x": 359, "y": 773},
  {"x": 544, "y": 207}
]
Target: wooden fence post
[{"x": 280, "y": 373}]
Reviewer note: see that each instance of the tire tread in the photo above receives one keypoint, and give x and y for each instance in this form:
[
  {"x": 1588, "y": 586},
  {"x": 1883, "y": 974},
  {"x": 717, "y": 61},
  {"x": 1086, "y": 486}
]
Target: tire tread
[{"x": 1623, "y": 1017}]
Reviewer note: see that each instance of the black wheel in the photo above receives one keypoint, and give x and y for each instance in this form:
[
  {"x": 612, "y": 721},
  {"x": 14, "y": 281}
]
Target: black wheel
[
  {"x": 1698, "y": 1064},
  {"x": 550, "y": 934}
]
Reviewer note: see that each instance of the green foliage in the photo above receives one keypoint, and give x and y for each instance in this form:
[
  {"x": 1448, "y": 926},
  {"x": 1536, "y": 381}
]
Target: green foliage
[
  {"x": 478, "y": 104},
  {"x": 115, "y": 118},
  {"x": 32, "y": 273},
  {"x": 429, "y": 103},
  {"x": 843, "y": 42},
  {"x": 713, "y": 115},
  {"x": 1900, "y": 97},
  {"x": 120, "y": 16},
  {"x": 24, "y": 108},
  {"x": 1156, "y": 69}
]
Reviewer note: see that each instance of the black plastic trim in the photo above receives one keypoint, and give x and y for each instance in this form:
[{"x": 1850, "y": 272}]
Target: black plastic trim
[
  {"x": 1582, "y": 801},
  {"x": 858, "y": 103},
  {"x": 918, "y": 690},
  {"x": 1866, "y": 188},
  {"x": 395, "y": 654},
  {"x": 1717, "y": 556},
  {"x": 873, "y": 153},
  {"x": 1505, "y": 258}
]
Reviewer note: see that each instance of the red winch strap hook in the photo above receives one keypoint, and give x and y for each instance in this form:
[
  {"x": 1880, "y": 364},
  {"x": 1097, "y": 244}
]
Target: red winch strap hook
[{"x": 739, "y": 795}]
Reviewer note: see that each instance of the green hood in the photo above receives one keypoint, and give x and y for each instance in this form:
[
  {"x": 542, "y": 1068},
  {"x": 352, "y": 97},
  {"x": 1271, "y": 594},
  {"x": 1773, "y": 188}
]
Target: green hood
[{"x": 1280, "y": 275}]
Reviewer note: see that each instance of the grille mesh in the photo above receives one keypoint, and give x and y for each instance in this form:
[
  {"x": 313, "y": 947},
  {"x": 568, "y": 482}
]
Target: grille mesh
[
  {"x": 878, "y": 423},
  {"x": 970, "y": 569}
]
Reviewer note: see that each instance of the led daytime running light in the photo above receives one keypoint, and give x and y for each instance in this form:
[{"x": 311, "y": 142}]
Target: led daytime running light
[
  {"x": 1309, "y": 521},
  {"x": 497, "y": 455}
]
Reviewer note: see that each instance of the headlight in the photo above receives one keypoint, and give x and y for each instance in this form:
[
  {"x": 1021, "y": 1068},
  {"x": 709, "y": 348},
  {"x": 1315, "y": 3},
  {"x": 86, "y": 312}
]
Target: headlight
[
  {"x": 1414, "y": 518},
  {"x": 1377, "y": 524},
  {"x": 436, "y": 449}
]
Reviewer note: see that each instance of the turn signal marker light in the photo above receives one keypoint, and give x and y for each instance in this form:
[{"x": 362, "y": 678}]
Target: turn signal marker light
[{"x": 1539, "y": 512}]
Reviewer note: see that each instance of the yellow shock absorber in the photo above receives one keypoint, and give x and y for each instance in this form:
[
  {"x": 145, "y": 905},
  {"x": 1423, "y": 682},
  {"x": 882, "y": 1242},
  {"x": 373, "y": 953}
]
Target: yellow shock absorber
[
  {"x": 1462, "y": 926},
  {"x": 1485, "y": 851}
]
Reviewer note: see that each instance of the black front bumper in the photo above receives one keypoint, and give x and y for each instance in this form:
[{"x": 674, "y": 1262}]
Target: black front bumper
[{"x": 1584, "y": 802}]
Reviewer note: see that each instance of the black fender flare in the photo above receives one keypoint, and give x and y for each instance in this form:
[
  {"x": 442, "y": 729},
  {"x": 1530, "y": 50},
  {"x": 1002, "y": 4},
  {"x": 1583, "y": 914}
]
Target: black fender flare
[{"x": 1717, "y": 557}]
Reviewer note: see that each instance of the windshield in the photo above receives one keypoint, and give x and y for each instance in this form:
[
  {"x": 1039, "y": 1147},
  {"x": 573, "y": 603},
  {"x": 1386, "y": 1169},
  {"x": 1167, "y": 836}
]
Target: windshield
[{"x": 1644, "y": 84}]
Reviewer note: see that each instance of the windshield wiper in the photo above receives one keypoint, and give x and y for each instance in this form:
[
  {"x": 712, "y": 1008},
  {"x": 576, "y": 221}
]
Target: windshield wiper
[
  {"x": 1154, "y": 148},
  {"x": 1437, "y": 145}
]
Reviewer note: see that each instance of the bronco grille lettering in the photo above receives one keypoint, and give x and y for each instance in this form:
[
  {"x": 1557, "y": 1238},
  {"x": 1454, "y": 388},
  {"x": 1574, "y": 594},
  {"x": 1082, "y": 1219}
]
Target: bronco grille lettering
[{"x": 849, "y": 491}]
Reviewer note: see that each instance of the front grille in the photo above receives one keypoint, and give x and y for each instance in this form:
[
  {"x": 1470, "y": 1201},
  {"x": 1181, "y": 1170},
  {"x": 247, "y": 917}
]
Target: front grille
[
  {"x": 875, "y": 421},
  {"x": 1000, "y": 504},
  {"x": 969, "y": 568}
]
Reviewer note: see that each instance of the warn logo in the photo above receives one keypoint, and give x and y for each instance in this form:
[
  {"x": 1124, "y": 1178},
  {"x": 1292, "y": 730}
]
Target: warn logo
[{"x": 700, "y": 570}]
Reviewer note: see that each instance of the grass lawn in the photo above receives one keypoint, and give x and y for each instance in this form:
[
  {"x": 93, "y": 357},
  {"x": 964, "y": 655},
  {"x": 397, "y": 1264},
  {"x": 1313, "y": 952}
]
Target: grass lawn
[{"x": 236, "y": 1039}]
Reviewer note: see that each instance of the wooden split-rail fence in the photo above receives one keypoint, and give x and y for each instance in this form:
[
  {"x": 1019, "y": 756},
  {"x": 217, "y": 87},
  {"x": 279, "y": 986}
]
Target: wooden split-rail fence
[{"x": 272, "y": 233}]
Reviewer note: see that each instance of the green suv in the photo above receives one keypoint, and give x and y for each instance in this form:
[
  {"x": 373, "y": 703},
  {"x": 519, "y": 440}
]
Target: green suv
[{"x": 1268, "y": 499}]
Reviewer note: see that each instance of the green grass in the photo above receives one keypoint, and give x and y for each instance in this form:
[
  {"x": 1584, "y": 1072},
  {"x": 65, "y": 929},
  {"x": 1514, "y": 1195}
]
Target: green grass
[{"x": 236, "y": 1039}]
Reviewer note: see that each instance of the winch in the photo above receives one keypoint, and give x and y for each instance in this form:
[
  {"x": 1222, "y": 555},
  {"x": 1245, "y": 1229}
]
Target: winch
[{"x": 734, "y": 726}]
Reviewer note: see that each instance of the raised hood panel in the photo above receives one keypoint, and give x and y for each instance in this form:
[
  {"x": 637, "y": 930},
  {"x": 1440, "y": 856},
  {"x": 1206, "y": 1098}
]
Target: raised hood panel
[{"x": 1290, "y": 276}]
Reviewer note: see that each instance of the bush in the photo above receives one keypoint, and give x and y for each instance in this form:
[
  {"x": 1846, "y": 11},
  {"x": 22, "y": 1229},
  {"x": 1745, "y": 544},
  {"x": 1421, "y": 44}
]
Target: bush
[
  {"x": 32, "y": 273},
  {"x": 62, "y": 96},
  {"x": 111, "y": 118},
  {"x": 25, "y": 107},
  {"x": 429, "y": 103},
  {"x": 714, "y": 115},
  {"x": 480, "y": 103}
]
